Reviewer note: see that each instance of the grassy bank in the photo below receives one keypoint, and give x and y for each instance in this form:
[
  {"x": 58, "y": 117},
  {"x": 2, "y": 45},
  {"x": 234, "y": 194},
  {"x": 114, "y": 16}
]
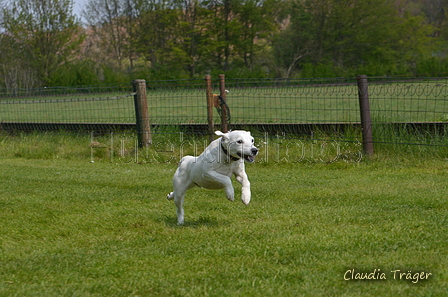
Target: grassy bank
[{"x": 170, "y": 146}]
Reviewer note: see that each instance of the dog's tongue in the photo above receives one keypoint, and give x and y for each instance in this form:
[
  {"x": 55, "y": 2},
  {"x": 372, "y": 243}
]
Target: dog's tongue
[{"x": 249, "y": 158}]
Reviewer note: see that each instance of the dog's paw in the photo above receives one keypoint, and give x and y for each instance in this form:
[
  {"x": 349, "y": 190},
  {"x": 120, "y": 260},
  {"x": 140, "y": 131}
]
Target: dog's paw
[
  {"x": 230, "y": 194},
  {"x": 170, "y": 196},
  {"x": 180, "y": 219},
  {"x": 245, "y": 197},
  {"x": 245, "y": 200}
]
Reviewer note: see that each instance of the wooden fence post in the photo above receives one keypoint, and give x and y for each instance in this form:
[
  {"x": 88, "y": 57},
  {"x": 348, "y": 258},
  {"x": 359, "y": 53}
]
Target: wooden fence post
[
  {"x": 364, "y": 108},
  {"x": 210, "y": 103},
  {"x": 141, "y": 113},
  {"x": 222, "y": 93}
]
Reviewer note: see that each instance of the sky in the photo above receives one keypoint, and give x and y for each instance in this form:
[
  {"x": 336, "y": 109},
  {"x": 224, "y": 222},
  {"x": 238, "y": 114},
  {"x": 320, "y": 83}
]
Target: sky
[{"x": 78, "y": 6}]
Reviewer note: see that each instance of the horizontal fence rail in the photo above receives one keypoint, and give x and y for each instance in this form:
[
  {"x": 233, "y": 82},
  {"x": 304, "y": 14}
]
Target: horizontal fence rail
[{"x": 311, "y": 108}]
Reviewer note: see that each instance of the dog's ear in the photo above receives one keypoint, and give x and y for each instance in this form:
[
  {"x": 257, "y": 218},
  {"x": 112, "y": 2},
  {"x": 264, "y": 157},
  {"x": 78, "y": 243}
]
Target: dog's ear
[{"x": 219, "y": 133}]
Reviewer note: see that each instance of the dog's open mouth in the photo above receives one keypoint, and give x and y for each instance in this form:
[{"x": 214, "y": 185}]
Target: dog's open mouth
[{"x": 248, "y": 158}]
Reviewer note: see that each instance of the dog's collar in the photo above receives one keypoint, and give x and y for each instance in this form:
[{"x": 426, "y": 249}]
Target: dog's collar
[{"x": 227, "y": 153}]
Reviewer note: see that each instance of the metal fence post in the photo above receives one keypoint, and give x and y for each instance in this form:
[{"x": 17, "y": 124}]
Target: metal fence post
[
  {"x": 209, "y": 94},
  {"x": 222, "y": 93},
  {"x": 141, "y": 113},
  {"x": 364, "y": 108}
]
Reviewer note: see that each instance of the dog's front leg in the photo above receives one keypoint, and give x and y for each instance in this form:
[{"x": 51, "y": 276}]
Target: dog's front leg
[
  {"x": 241, "y": 177},
  {"x": 224, "y": 181}
]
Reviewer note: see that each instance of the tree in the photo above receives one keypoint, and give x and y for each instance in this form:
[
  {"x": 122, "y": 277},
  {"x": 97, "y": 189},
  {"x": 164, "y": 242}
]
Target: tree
[
  {"x": 349, "y": 34},
  {"x": 415, "y": 42},
  {"x": 156, "y": 32},
  {"x": 193, "y": 43},
  {"x": 257, "y": 21},
  {"x": 295, "y": 42},
  {"x": 46, "y": 34},
  {"x": 184, "y": 49},
  {"x": 111, "y": 22}
]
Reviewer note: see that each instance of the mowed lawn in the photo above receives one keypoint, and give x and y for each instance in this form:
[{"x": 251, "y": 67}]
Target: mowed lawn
[{"x": 73, "y": 228}]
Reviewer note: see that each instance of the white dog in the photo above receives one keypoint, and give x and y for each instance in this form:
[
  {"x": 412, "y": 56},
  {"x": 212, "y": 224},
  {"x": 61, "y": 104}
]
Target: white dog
[{"x": 213, "y": 169}]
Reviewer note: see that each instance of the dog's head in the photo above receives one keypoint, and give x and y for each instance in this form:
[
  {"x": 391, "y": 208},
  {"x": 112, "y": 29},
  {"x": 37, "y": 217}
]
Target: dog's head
[{"x": 238, "y": 144}]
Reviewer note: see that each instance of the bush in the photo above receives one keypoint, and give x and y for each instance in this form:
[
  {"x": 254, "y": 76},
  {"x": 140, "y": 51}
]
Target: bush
[{"x": 76, "y": 73}]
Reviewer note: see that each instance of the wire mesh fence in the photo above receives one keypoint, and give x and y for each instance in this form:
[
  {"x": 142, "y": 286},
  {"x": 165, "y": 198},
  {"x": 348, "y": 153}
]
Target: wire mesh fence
[
  {"x": 171, "y": 103},
  {"x": 412, "y": 111},
  {"x": 294, "y": 101},
  {"x": 259, "y": 101},
  {"x": 409, "y": 111},
  {"x": 411, "y": 101},
  {"x": 98, "y": 104}
]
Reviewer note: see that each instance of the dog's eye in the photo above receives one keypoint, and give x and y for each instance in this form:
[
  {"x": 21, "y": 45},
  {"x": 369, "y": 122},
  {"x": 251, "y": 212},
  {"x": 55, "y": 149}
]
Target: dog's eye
[
  {"x": 252, "y": 141},
  {"x": 239, "y": 142}
]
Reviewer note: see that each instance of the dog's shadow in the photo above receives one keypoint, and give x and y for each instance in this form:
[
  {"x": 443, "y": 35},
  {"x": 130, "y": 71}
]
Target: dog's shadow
[{"x": 202, "y": 221}]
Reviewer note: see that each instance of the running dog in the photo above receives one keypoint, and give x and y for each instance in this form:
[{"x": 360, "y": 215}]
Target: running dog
[{"x": 213, "y": 168}]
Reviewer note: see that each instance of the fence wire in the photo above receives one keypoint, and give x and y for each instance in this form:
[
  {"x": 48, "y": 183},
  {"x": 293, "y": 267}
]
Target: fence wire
[
  {"x": 412, "y": 111},
  {"x": 298, "y": 103},
  {"x": 409, "y": 111},
  {"x": 69, "y": 105},
  {"x": 410, "y": 101}
]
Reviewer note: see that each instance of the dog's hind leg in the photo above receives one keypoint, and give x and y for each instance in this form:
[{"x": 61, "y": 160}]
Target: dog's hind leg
[
  {"x": 178, "y": 201},
  {"x": 178, "y": 196},
  {"x": 181, "y": 185}
]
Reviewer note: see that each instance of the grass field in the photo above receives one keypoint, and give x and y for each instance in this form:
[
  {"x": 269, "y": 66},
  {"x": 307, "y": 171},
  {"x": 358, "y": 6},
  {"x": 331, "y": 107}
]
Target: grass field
[
  {"x": 75, "y": 228},
  {"x": 419, "y": 101}
]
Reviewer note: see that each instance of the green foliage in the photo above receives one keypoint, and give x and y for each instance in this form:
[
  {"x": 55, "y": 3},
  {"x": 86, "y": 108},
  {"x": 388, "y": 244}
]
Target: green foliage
[
  {"x": 339, "y": 38},
  {"x": 41, "y": 40},
  {"x": 111, "y": 76},
  {"x": 240, "y": 70},
  {"x": 431, "y": 66},
  {"x": 319, "y": 70},
  {"x": 334, "y": 35},
  {"x": 47, "y": 33},
  {"x": 77, "y": 73}
]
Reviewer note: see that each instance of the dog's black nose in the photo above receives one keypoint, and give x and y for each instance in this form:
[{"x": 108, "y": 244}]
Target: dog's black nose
[{"x": 254, "y": 151}]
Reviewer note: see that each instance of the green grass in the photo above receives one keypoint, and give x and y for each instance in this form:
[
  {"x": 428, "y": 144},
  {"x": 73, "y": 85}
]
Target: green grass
[
  {"x": 75, "y": 228},
  {"x": 171, "y": 147}
]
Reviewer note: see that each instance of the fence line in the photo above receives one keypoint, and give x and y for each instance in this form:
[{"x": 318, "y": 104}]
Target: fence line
[
  {"x": 70, "y": 105},
  {"x": 67, "y": 100},
  {"x": 291, "y": 107}
]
